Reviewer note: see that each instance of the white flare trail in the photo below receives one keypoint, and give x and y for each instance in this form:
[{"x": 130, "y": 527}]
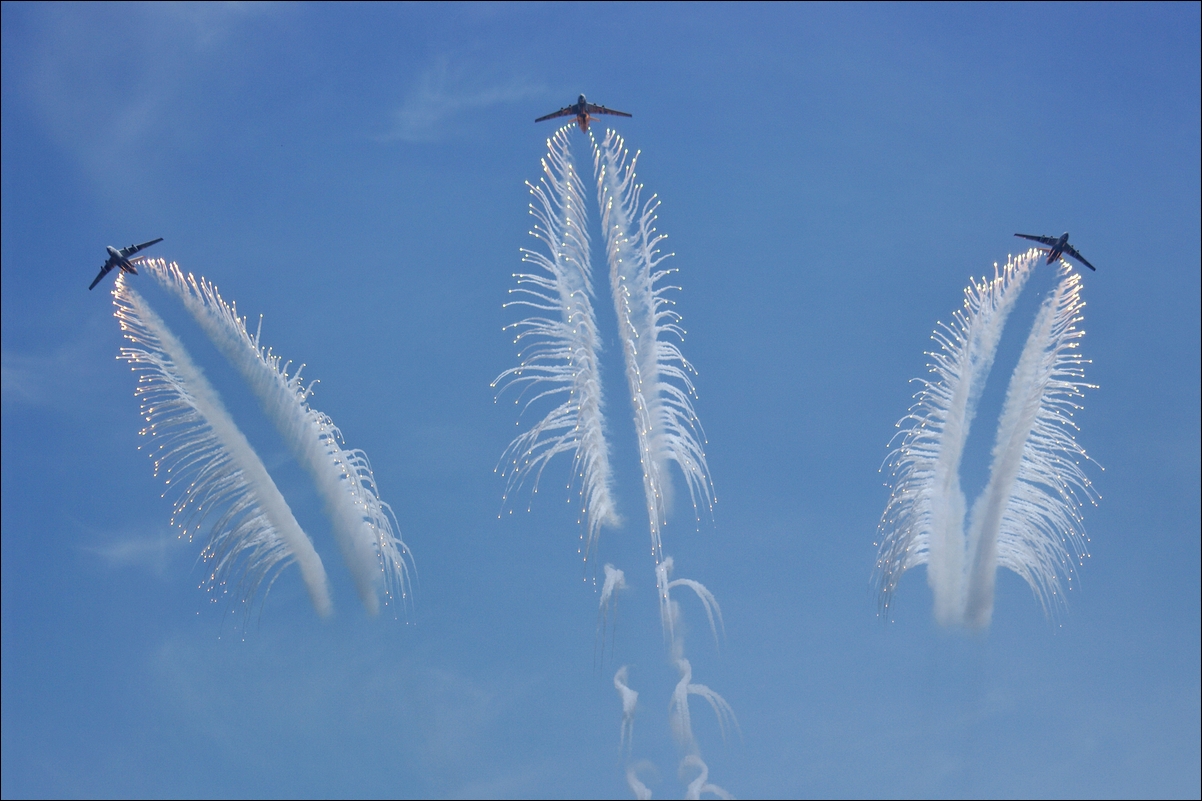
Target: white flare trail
[
  {"x": 559, "y": 346},
  {"x": 561, "y": 358},
  {"x": 1028, "y": 518},
  {"x": 659, "y": 380},
  {"x": 209, "y": 459},
  {"x": 365, "y": 526},
  {"x": 657, "y": 374},
  {"x": 924, "y": 520}
]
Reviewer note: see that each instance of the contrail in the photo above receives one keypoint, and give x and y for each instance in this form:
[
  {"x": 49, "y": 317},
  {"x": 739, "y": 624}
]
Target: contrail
[
  {"x": 924, "y": 520},
  {"x": 203, "y": 451},
  {"x": 559, "y": 346},
  {"x": 364, "y": 524}
]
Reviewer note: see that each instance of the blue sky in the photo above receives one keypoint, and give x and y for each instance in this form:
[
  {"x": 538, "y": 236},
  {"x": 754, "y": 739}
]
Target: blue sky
[{"x": 831, "y": 177}]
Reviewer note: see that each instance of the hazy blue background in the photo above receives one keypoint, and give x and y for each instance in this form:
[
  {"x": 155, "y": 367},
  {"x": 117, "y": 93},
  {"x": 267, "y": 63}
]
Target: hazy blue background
[{"x": 831, "y": 177}]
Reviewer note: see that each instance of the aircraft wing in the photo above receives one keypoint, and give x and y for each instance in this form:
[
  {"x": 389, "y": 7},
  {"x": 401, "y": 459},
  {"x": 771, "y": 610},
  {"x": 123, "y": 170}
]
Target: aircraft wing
[
  {"x": 1047, "y": 240},
  {"x": 103, "y": 272},
  {"x": 569, "y": 111},
  {"x": 132, "y": 249},
  {"x": 594, "y": 109},
  {"x": 1072, "y": 251}
]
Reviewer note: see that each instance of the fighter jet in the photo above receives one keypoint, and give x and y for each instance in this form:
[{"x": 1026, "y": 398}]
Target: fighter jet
[
  {"x": 121, "y": 258},
  {"x": 1057, "y": 247},
  {"x": 583, "y": 111}
]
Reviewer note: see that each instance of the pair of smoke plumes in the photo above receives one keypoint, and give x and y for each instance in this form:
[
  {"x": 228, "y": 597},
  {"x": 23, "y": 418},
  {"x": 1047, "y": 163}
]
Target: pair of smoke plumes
[
  {"x": 559, "y": 345},
  {"x": 559, "y": 359},
  {"x": 254, "y": 534},
  {"x": 1027, "y": 518}
]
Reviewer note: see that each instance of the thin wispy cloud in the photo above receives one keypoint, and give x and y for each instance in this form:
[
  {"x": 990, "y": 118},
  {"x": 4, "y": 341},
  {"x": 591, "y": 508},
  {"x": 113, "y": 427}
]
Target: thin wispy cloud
[
  {"x": 152, "y": 553},
  {"x": 445, "y": 95},
  {"x": 51, "y": 379},
  {"x": 116, "y": 122}
]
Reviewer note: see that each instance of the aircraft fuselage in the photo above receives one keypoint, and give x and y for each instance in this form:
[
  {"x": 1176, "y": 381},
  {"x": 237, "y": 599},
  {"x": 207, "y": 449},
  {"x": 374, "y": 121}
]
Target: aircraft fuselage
[
  {"x": 582, "y": 115},
  {"x": 117, "y": 260},
  {"x": 1058, "y": 249}
]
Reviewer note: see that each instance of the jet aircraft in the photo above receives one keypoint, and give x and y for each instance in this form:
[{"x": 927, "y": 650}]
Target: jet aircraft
[
  {"x": 1058, "y": 246},
  {"x": 121, "y": 258},
  {"x": 583, "y": 111}
]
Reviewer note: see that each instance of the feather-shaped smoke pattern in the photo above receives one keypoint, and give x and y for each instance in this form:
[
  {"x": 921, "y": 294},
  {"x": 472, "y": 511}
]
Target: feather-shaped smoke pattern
[
  {"x": 211, "y": 464},
  {"x": 366, "y": 529},
  {"x": 657, "y": 374},
  {"x": 559, "y": 345},
  {"x": 923, "y": 522},
  {"x": 661, "y": 395},
  {"x": 1028, "y": 519}
]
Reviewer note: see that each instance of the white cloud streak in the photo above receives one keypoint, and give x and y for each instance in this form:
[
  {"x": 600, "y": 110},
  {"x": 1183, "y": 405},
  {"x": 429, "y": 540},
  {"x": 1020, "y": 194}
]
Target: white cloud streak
[{"x": 445, "y": 97}]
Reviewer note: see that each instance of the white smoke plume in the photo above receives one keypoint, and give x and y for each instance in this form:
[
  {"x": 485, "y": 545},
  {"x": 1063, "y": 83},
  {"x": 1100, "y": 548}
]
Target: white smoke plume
[
  {"x": 661, "y": 394},
  {"x": 657, "y": 374},
  {"x": 630, "y": 699},
  {"x": 562, "y": 358},
  {"x": 701, "y": 783},
  {"x": 665, "y": 583},
  {"x": 207, "y": 458},
  {"x": 559, "y": 346},
  {"x": 608, "y": 607},
  {"x": 1028, "y": 517},
  {"x": 678, "y": 708},
  {"x": 365, "y": 526},
  {"x": 640, "y": 790}
]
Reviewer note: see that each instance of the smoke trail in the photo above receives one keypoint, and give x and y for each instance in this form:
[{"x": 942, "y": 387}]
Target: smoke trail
[
  {"x": 661, "y": 395},
  {"x": 202, "y": 449},
  {"x": 1028, "y": 516},
  {"x": 561, "y": 354},
  {"x": 630, "y": 699},
  {"x": 614, "y": 580},
  {"x": 640, "y": 790},
  {"x": 657, "y": 373},
  {"x": 662, "y": 572},
  {"x": 364, "y": 524},
  {"x": 923, "y": 522},
  {"x": 700, "y": 784},
  {"x": 1029, "y": 508},
  {"x": 562, "y": 358},
  {"x": 678, "y": 708}
]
